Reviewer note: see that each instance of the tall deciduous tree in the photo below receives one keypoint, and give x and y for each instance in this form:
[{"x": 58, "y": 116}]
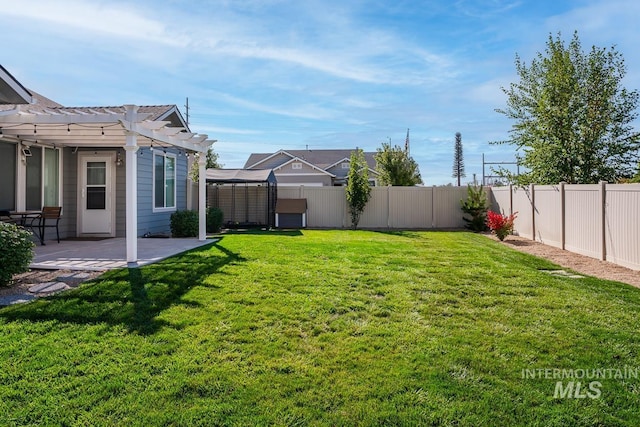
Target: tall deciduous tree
[
  {"x": 458, "y": 160},
  {"x": 358, "y": 189},
  {"x": 396, "y": 167},
  {"x": 573, "y": 118}
]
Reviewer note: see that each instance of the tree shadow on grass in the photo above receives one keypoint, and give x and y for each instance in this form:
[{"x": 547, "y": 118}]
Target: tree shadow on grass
[{"x": 132, "y": 297}]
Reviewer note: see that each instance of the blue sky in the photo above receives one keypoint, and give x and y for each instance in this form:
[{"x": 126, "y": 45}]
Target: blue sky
[{"x": 263, "y": 75}]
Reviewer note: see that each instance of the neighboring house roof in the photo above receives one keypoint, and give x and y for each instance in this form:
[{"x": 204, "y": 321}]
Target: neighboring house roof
[
  {"x": 299, "y": 160},
  {"x": 240, "y": 175},
  {"x": 11, "y": 90},
  {"x": 323, "y": 159}
]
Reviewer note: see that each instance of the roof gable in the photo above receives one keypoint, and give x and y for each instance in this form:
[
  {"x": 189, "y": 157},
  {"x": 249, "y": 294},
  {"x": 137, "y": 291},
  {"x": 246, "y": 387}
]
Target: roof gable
[
  {"x": 267, "y": 160},
  {"x": 309, "y": 165}
]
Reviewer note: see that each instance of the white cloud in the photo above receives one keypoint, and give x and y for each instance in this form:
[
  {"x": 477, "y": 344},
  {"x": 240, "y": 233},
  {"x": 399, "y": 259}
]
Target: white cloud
[{"x": 107, "y": 18}]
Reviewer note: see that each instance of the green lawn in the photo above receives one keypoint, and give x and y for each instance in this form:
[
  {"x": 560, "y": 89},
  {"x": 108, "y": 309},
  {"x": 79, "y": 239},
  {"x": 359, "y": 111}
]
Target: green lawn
[{"x": 324, "y": 328}]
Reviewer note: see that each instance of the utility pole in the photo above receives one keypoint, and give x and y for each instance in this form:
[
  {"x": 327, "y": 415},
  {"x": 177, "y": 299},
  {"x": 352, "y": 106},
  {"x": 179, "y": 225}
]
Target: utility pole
[{"x": 186, "y": 106}]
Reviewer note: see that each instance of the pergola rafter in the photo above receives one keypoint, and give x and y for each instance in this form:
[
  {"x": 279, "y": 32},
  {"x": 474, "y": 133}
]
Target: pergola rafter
[{"x": 120, "y": 127}]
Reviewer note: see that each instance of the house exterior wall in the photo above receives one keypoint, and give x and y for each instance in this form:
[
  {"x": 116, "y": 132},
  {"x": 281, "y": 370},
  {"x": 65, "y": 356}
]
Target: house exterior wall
[
  {"x": 339, "y": 171},
  {"x": 148, "y": 220}
]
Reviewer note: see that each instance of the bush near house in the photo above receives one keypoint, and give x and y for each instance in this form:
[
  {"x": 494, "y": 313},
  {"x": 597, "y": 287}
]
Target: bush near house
[
  {"x": 16, "y": 253},
  {"x": 184, "y": 224},
  {"x": 214, "y": 220}
]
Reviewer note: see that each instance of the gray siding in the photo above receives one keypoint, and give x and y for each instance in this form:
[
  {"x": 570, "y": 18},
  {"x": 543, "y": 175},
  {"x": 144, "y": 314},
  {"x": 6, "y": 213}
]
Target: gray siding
[{"x": 121, "y": 198}]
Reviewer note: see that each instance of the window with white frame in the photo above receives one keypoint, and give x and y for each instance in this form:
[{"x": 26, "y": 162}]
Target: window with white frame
[
  {"x": 296, "y": 165},
  {"x": 345, "y": 165},
  {"x": 164, "y": 181}
]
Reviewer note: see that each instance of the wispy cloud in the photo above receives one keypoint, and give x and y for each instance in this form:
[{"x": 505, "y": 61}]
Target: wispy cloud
[{"x": 107, "y": 18}]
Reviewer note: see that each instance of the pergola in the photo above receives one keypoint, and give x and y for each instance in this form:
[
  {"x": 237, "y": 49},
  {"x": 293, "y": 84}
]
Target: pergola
[{"x": 123, "y": 127}]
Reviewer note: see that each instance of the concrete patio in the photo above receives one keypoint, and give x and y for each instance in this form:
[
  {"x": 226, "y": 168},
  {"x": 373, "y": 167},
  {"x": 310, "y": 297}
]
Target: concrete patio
[{"x": 107, "y": 254}]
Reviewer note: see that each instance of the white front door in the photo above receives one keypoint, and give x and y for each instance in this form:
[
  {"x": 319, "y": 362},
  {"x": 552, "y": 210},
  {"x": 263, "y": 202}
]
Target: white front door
[{"x": 96, "y": 194}]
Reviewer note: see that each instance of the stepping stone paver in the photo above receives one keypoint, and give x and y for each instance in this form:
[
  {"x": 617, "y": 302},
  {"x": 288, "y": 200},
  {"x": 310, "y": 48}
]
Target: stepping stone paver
[{"x": 48, "y": 287}]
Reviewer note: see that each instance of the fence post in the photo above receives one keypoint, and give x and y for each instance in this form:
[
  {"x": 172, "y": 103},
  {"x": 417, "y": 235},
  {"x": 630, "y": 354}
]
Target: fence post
[
  {"x": 563, "y": 215},
  {"x": 388, "y": 206},
  {"x": 433, "y": 208},
  {"x": 533, "y": 211},
  {"x": 603, "y": 229},
  {"x": 510, "y": 199}
]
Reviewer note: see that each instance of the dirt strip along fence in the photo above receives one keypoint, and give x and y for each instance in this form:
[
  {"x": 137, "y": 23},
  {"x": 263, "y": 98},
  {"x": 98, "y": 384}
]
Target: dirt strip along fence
[{"x": 597, "y": 220}]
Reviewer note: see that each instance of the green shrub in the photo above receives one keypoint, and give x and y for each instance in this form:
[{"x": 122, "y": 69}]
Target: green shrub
[
  {"x": 184, "y": 224},
  {"x": 476, "y": 206},
  {"x": 214, "y": 220},
  {"x": 16, "y": 253}
]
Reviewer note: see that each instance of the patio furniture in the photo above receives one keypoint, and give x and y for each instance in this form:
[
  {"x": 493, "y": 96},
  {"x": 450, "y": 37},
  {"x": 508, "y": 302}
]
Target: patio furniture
[
  {"x": 25, "y": 217},
  {"x": 5, "y": 216},
  {"x": 48, "y": 218}
]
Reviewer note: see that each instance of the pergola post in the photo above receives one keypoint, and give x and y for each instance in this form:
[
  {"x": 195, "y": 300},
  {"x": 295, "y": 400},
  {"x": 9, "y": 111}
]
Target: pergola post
[
  {"x": 202, "y": 196},
  {"x": 131, "y": 147}
]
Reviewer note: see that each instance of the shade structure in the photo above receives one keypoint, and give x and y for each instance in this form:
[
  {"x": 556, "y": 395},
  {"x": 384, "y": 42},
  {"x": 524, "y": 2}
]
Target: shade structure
[{"x": 246, "y": 197}]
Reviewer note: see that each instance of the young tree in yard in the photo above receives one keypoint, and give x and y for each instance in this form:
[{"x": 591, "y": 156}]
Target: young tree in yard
[
  {"x": 458, "y": 160},
  {"x": 212, "y": 163},
  {"x": 573, "y": 118},
  {"x": 358, "y": 189},
  {"x": 396, "y": 167}
]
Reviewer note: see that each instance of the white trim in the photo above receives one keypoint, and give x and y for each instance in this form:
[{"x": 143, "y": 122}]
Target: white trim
[
  {"x": 270, "y": 157},
  {"x": 346, "y": 159},
  {"x": 153, "y": 182}
]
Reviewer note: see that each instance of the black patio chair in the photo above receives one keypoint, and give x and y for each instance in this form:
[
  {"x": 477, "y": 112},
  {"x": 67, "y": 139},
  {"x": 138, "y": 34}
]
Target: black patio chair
[{"x": 48, "y": 218}]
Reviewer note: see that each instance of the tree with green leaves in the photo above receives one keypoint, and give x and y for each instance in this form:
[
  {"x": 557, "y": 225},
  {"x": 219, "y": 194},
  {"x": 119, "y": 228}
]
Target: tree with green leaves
[
  {"x": 212, "y": 163},
  {"x": 396, "y": 167},
  {"x": 458, "y": 160},
  {"x": 573, "y": 118},
  {"x": 358, "y": 189}
]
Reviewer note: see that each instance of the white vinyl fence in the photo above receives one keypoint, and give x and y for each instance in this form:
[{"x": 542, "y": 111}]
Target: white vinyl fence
[
  {"x": 596, "y": 220},
  {"x": 388, "y": 208}
]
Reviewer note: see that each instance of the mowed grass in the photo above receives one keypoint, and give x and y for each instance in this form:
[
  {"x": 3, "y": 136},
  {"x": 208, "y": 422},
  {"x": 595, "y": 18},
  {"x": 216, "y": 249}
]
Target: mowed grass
[{"x": 323, "y": 328}]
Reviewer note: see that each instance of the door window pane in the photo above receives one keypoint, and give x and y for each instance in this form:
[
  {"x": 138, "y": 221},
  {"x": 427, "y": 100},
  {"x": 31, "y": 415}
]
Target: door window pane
[
  {"x": 51, "y": 177},
  {"x": 96, "y": 173},
  {"x": 170, "y": 184},
  {"x": 164, "y": 181},
  {"x": 159, "y": 181},
  {"x": 8, "y": 176},
  {"x": 96, "y": 198},
  {"x": 34, "y": 179}
]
